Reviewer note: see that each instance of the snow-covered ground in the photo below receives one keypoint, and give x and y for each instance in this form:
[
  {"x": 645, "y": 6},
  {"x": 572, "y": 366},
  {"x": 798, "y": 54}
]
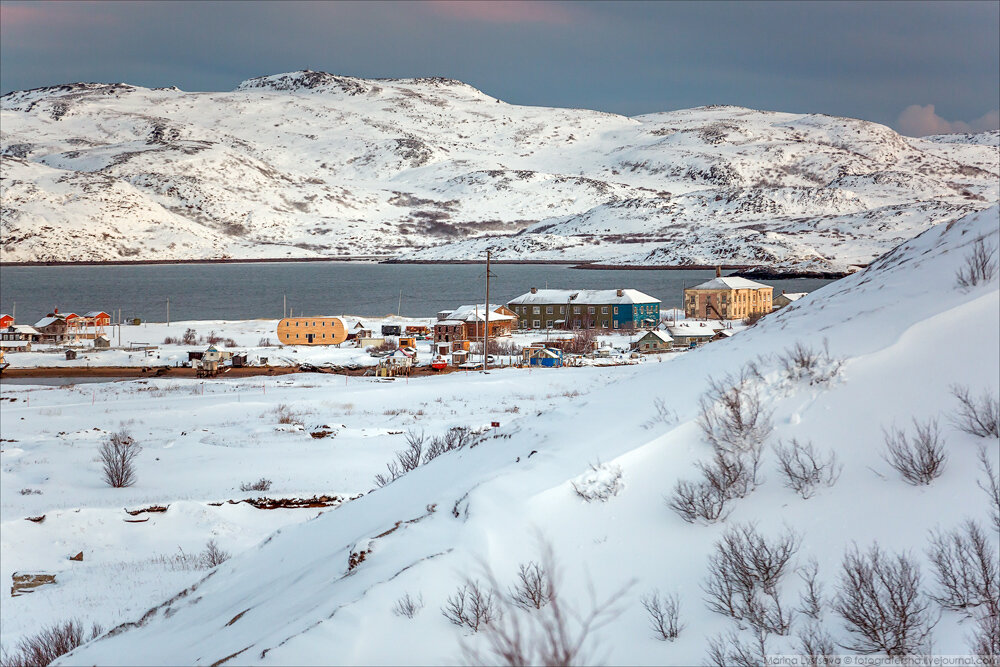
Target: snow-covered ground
[
  {"x": 321, "y": 590},
  {"x": 434, "y": 169}
]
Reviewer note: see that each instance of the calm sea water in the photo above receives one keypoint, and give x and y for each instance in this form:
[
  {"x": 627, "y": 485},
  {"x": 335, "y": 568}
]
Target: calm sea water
[{"x": 248, "y": 291}]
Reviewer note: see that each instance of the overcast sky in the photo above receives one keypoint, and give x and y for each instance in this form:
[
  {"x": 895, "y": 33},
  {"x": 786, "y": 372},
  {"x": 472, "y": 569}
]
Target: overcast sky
[{"x": 921, "y": 67}]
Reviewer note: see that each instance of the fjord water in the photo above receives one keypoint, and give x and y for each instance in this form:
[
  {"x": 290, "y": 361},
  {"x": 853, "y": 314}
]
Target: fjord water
[{"x": 236, "y": 291}]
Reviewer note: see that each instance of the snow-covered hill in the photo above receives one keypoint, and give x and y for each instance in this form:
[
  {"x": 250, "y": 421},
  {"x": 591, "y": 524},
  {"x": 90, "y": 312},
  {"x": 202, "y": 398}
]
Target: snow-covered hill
[
  {"x": 309, "y": 164},
  {"x": 323, "y": 592}
]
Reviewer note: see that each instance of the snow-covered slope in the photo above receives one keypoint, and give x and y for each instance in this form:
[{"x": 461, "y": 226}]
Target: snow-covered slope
[
  {"x": 905, "y": 332},
  {"x": 309, "y": 164}
]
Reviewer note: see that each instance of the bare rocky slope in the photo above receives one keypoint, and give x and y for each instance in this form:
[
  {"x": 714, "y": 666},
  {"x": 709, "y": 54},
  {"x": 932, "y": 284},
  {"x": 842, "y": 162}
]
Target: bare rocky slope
[{"x": 308, "y": 164}]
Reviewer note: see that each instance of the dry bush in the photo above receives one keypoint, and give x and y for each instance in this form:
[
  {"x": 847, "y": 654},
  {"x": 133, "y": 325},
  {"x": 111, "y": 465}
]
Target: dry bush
[
  {"x": 213, "y": 337},
  {"x": 30, "y": 492},
  {"x": 498, "y": 348},
  {"x": 410, "y": 457},
  {"x": 803, "y": 363},
  {"x": 977, "y": 416},
  {"x": 732, "y": 416},
  {"x": 664, "y": 614},
  {"x": 170, "y": 340},
  {"x": 582, "y": 342},
  {"x": 743, "y": 577},
  {"x": 555, "y": 634},
  {"x": 805, "y": 469},
  {"x": 41, "y": 649},
  {"x": 753, "y": 318},
  {"x": 387, "y": 345},
  {"x": 965, "y": 564},
  {"x": 730, "y": 650},
  {"x": 454, "y": 438},
  {"x": 213, "y": 555},
  {"x": 472, "y": 606},
  {"x": 533, "y": 589},
  {"x": 118, "y": 455},
  {"x": 265, "y": 342},
  {"x": 811, "y": 598},
  {"x": 286, "y": 415},
  {"x": 602, "y": 482},
  {"x": 980, "y": 266},
  {"x": 816, "y": 645},
  {"x": 190, "y": 337},
  {"x": 986, "y": 640},
  {"x": 662, "y": 414},
  {"x": 261, "y": 484},
  {"x": 408, "y": 606},
  {"x": 880, "y": 601},
  {"x": 920, "y": 459},
  {"x": 726, "y": 477},
  {"x": 991, "y": 487}
]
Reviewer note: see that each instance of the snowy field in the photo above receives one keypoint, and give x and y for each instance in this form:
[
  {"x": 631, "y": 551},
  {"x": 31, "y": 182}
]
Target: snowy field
[{"x": 583, "y": 462}]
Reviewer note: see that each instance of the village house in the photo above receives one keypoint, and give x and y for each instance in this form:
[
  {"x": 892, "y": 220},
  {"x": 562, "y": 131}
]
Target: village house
[
  {"x": 538, "y": 354},
  {"x": 727, "y": 299},
  {"x": 18, "y": 338},
  {"x": 469, "y": 323},
  {"x": 692, "y": 334},
  {"x": 52, "y": 329},
  {"x": 654, "y": 341},
  {"x": 585, "y": 309},
  {"x": 6, "y": 320},
  {"x": 785, "y": 299},
  {"x": 311, "y": 331}
]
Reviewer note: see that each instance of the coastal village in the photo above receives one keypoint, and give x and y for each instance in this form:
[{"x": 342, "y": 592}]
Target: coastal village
[{"x": 539, "y": 328}]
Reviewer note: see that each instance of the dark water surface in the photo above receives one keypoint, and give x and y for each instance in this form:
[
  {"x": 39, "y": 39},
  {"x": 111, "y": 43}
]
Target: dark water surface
[{"x": 255, "y": 290}]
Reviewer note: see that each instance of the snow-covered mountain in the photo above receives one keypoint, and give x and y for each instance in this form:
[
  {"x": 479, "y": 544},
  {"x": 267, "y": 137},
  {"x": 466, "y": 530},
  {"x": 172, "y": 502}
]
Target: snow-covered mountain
[
  {"x": 323, "y": 591},
  {"x": 308, "y": 164}
]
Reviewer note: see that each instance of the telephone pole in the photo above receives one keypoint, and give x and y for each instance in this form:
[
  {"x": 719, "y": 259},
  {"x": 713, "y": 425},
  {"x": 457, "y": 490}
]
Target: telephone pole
[
  {"x": 168, "y": 311},
  {"x": 486, "y": 334}
]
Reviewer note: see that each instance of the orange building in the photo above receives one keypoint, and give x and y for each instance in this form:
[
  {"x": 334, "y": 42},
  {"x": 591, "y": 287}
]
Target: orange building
[
  {"x": 727, "y": 299},
  {"x": 311, "y": 331}
]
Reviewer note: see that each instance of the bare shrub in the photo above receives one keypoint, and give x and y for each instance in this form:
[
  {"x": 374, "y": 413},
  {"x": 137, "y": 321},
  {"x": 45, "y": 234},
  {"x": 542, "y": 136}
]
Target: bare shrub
[
  {"x": 30, "y": 492},
  {"x": 602, "y": 482},
  {"x": 410, "y": 457},
  {"x": 805, "y": 469},
  {"x": 664, "y": 614},
  {"x": 408, "y": 606},
  {"x": 387, "y": 345},
  {"x": 753, "y": 318},
  {"x": 190, "y": 337},
  {"x": 662, "y": 414},
  {"x": 213, "y": 555},
  {"x": 261, "y": 484},
  {"x": 965, "y": 564},
  {"x": 533, "y": 589},
  {"x": 980, "y": 266},
  {"x": 213, "y": 337},
  {"x": 582, "y": 342},
  {"x": 743, "y": 577},
  {"x": 732, "y": 416},
  {"x": 42, "y": 648},
  {"x": 991, "y": 487},
  {"x": 454, "y": 438},
  {"x": 730, "y": 650},
  {"x": 986, "y": 639},
  {"x": 118, "y": 453},
  {"x": 391, "y": 475},
  {"x": 919, "y": 460},
  {"x": 803, "y": 363},
  {"x": 555, "y": 634},
  {"x": 728, "y": 475},
  {"x": 498, "y": 348},
  {"x": 472, "y": 606},
  {"x": 880, "y": 601},
  {"x": 977, "y": 416},
  {"x": 816, "y": 645},
  {"x": 265, "y": 342},
  {"x": 170, "y": 340},
  {"x": 811, "y": 598}
]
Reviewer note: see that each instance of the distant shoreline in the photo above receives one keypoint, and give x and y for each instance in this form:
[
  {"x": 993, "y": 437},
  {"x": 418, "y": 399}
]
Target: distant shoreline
[{"x": 743, "y": 270}]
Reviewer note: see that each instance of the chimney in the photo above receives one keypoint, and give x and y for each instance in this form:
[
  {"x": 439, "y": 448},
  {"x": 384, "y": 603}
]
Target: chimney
[
  {"x": 621, "y": 292},
  {"x": 718, "y": 272},
  {"x": 55, "y": 311},
  {"x": 534, "y": 290},
  {"x": 782, "y": 291}
]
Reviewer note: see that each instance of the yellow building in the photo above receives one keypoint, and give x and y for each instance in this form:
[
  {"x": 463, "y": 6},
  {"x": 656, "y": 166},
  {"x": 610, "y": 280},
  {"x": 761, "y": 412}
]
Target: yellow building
[
  {"x": 311, "y": 331},
  {"x": 727, "y": 299}
]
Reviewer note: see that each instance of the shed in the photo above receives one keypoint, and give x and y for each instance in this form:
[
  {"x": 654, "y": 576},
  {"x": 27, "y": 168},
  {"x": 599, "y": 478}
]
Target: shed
[
  {"x": 786, "y": 298},
  {"x": 547, "y": 357}
]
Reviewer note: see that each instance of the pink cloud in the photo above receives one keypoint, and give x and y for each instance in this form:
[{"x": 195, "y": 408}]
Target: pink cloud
[
  {"x": 920, "y": 121},
  {"x": 509, "y": 11},
  {"x": 15, "y": 17}
]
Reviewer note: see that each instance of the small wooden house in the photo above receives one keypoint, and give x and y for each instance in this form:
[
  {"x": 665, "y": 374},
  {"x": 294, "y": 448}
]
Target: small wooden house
[
  {"x": 786, "y": 298},
  {"x": 692, "y": 334},
  {"x": 6, "y": 321},
  {"x": 311, "y": 331},
  {"x": 654, "y": 341},
  {"x": 537, "y": 355}
]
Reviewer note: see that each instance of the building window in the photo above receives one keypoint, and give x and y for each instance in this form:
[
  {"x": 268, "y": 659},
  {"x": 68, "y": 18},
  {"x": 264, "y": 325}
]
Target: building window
[
  {"x": 562, "y": 310},
  {"x": 604, "y": 325},
  {"x": 536, "y": 324},
  {"x": 616, "y": 324},
  {"x": 591, "y": 310},
  {"x": 548, "y": 310},
  {"x": 604, "y": 310},
  {"x": 616, "y": 310},
  {"x": 537, "y": 310},
  {"x": 548, "y": 324}
]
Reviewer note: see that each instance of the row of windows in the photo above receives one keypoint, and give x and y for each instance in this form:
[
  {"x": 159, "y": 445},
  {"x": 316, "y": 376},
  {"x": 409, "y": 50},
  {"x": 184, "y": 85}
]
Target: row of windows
[
  {"x": 549, "y": 324},
  {"x": 322, "y": 324},
  {"x": 591, "y": 310}
]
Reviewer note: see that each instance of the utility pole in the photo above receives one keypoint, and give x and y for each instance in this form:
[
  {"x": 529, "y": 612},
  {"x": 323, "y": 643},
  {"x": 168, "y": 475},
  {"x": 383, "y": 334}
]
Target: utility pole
[
  {"x": 399, "y": 306},
  {"x": 486, "y": 334},
  {"x": 284, "y": 306},
  {"x": 168, "y": 311}
]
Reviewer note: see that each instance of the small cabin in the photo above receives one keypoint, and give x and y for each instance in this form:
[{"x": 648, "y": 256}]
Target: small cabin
[
  {"x": 548, "y": 357},
  {"x": 392, "y": 330},
  {"x": 654, "y": 341}
]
